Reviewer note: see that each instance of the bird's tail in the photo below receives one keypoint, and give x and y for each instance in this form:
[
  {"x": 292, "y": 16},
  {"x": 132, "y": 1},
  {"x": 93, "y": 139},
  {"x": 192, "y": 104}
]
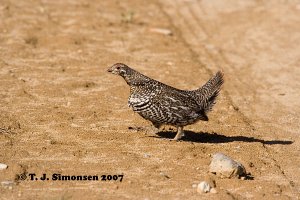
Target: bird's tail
[{"x": 207, "y": 94}]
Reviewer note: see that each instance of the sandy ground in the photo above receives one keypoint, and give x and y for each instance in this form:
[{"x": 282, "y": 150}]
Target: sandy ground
[{"x": 61, "y": 112}]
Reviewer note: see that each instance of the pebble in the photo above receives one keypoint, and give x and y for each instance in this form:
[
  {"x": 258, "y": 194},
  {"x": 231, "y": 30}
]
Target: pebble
[
  {"x": 225, "y": 167},
  {"x": 75, "y": 125},
  {"x": 146, "y": 155},
  {"x": 3, "y": 166},
  {"x": 162, "y": 31},
  {"x": 213, "y": 190},
  {"x": 7, "y": 184},
  {"x": 203, "y": 187},
  {"x": 251, "y": 164},
  {"x": 210, "y": 47},
  {"x": 169, "y": 63},
  {"x": 233, "y": 108},
  {"x": 164, "y": 175}
]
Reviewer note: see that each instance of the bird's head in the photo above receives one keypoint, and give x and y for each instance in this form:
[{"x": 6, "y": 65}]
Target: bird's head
[
  {"x": 120, "y": 69},
  {"x": 131, "y": 76}
]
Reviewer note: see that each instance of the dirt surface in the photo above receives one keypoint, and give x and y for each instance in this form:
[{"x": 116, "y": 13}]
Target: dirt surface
[{"x": 61, "y": 112}]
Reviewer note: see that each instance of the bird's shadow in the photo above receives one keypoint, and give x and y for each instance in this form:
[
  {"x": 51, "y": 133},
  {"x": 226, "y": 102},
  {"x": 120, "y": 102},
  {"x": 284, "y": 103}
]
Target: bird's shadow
[{"x": 204, "y": 137}]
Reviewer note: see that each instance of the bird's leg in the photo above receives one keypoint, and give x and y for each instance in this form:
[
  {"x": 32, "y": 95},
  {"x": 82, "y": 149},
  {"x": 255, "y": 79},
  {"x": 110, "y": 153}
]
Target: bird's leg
[{"x": 180, "y": 133}]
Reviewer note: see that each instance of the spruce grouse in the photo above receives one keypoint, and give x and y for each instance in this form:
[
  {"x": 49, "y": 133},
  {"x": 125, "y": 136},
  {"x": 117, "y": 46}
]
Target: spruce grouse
[{"x": 163, "y": 104}]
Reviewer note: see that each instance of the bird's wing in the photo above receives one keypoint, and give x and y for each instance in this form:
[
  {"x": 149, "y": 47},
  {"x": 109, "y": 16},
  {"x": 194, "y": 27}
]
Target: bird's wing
[{"x": 181, "y": 106}]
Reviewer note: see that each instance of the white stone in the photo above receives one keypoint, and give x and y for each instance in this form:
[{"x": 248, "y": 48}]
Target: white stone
[
  {"x": 7, "y": 184},
  {"x": 146, "y": 155},
  {"x": 75, "y": 125},
  {"x": 203, "y": 187},
  {"x": 213, "y": 190},
  {"x": 162, "y": 31},
  {"x": 3, "y": 166},
  {"x": 225, "y": 167},
  {"x": 169, "y": 63}
]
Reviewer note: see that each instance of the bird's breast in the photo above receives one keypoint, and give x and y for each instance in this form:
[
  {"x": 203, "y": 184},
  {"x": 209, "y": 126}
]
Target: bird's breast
[{"x": 138, "y": 103}]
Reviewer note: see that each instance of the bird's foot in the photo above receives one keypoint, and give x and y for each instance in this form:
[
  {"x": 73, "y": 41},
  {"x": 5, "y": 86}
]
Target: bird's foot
[
  {"x": 180, "y": 134},
  {"x": 177, "y": 138}
]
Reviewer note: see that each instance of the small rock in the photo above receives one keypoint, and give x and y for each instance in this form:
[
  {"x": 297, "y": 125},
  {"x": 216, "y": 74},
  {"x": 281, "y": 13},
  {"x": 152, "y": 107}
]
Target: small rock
[
  {"x": 146, "y": 155},
  {"x": 203, "y": 187},
  {"x": 3, "y": 166},
  {"x": 225, "y": 167},
  {"x": 75, "y": 125},
  {"x": 233, "y": 108},
  {"x": 169, "y": 63},
  {"x": 251, "y": 164},
  {"x": 213, "y": 190},
  {"x": 162, "y": 31},
  {"x": 8, "y": 184},
  {"x": 164, "y": 175},
  {"x": 210, "y": 47}
]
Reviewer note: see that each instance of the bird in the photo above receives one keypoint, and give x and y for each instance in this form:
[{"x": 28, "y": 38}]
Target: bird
[{"x": 162, "y": 104}]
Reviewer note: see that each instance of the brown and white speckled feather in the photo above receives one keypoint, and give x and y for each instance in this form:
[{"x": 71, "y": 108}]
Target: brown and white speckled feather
[
  {"x": 207, "y": 94},
  {"x": 163, "y": 104}
]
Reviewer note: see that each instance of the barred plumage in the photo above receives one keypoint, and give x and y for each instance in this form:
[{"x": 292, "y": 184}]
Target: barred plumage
[{"x": 163, "y": 104}]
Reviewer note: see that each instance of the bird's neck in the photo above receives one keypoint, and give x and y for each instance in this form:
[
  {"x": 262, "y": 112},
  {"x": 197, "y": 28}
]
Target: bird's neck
[{"x": 136, "y": 79}]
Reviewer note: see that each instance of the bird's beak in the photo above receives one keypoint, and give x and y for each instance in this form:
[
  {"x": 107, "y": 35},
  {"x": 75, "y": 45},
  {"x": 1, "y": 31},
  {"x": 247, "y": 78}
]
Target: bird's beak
[{"x": 109, "y": 70}]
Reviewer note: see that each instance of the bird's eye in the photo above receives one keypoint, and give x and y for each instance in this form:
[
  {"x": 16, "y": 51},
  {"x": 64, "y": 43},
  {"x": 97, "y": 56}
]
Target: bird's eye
[{"x": 118, "y": 68}]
